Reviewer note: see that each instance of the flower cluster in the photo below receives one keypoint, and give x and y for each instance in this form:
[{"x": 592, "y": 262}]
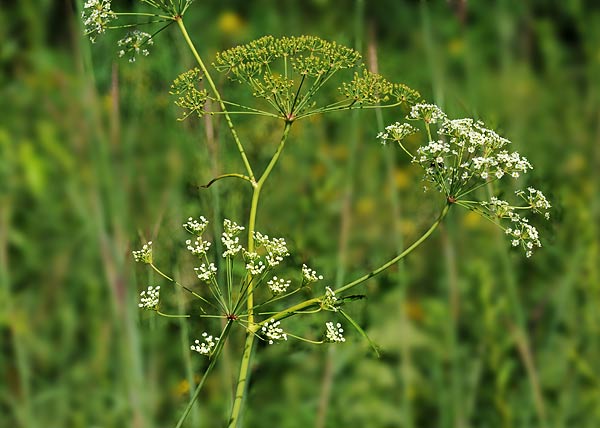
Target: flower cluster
[
  {"x": 206, "y": 347},
  {"x": 287, "y": 72},
  {"x": 278, "y": 285},
  {"x": 521, "y": 232},
  {"x": 428, "y": 113},
  {"x": 396, "y": 132},
  {"x": 276, "y": 248},
  {"x": 96, "y": 16},
  {"x": 309, "y": 275},
  {"x": 329, "y": 301},
  {"x": 190, "y": 98},
  {"x": 308, "y": 55},
  {"x": 368, "y": 88},
  {"x": 254, "y": 264},
  {"x": 196, "y": 227},
  {"x": 334, "y": 333},
  {"x": 145, "y": 254},
  {"x": 466, "y": 156},
  {"x": 198, "y": 247},
  {"x": 206, "y": 272},
  {"x": 149, "y": 298},
  {"x": 134, "y": 43},
  {"x": 273, "y": 332},
  {"x": 230, "y": 239},
  {"x": 536, "y": 200}
]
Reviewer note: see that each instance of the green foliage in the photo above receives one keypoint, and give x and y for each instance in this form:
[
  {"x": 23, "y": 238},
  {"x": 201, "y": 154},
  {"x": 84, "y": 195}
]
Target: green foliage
[{"x": 84, "y": 165}]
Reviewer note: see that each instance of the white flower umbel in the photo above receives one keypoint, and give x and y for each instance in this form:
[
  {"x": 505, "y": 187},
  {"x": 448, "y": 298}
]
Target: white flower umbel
[
  {"x": 429, "y": 113},
  {"x": 536, "y": 200},
  {"x": 230, "y": 239},
  {"x": 523, "y": 234},
  {"x": 329, "y": 301},
  {"x": 334, "y": 333},
  {"x": 254, "y": 264},
  {"x": 309, "y": 275},
  {"x": 204, "y": 272},
  {"x": 278, "y": 285},
  {"x": 276, "y": 248},
  {"x": 145, "y": 254},
  {"x": 206, "y": 347},
  {"x": 196, "y": 227},
  {"x": 96, "y": 16},
  {"x": 149, "y": 298},
  {"x": 136, "y": 42},
  {"x": 273, "y": 332},
  {"x": 198, "y": 247},
  {"x": 396, "y": 132}
]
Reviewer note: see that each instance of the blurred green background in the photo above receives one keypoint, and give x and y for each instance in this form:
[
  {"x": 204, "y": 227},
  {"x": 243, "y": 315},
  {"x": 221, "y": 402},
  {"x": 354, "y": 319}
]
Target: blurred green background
[{"x": 92, "y": 162}]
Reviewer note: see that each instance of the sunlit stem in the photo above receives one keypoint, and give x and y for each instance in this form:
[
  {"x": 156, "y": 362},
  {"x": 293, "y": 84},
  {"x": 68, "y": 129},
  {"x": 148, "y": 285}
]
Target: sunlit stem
[
  {"x": 171, "y": 316},
  {"x": 245, "y": 363},
  {"x": 304, "y": 339},
  {"x": 234, "y": 175},
  {"x": 218, "y": 95}
]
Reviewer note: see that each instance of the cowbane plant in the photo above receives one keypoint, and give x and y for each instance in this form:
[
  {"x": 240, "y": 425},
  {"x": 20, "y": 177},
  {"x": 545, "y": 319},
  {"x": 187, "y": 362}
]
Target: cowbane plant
[{"x": 250, "y": 283}]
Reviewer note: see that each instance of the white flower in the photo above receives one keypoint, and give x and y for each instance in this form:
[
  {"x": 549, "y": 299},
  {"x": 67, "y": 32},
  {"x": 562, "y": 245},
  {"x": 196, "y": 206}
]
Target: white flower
[
  {"x": 145, "y": 254},
  {"x": 199, "y": 247},
  {"x": 232, "y": 228},
  {"x": 429, "y": 113},
  {"x": 194, "y": 226},
  {"x": 135, "y": 42},
  {"x": 149, "y": 298},
  {"x": 396, "y": 132},
  {"x": 206, "y": 347},
  {"x": 536, "y": 200},
  {"x": 230, "y": 239},
  {"x": 276, "y": 248},
  {"x": 309, "y": 275},
  {"x": 334, "y": 333},
  {"x": 278, "y": 285},
  {"x": 273, "y": 332},
  {"x": 205, "y": 272},
  {"x": 329, "y": 300},
  {"x": 96, "y": 16},
  {"x": 523, "y": 234},
  {"x": 253, "y": 263}
]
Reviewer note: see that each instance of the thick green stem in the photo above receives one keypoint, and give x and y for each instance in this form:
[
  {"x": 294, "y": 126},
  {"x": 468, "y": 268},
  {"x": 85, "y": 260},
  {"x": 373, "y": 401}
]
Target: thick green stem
[
  {"x": 245, "y": 363},
  {"x": 212, "y": 85}
]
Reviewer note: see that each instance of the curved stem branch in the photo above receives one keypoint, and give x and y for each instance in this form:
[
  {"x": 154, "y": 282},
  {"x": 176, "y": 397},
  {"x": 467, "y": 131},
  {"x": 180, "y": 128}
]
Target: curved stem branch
[
  {"x": 243, "y": 177},
  {"x": 317, "y": 300}
]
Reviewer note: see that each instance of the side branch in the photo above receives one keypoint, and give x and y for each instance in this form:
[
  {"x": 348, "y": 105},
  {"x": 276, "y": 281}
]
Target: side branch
[
  {"x": 243, "y": 177},
  {"x": 317, "y": 300}
]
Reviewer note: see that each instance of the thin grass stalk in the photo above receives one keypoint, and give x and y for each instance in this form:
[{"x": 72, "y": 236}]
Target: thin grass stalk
[
  {"x": 401, "y": 275},
  {"x": 345, "y": 226}
]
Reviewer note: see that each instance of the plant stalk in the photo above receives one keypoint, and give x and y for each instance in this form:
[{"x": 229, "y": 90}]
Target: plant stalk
[
  {"x": 247, "y": 356},
  {"x": 212, "y": 85},
  {"x": 317, "y": 300}
]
